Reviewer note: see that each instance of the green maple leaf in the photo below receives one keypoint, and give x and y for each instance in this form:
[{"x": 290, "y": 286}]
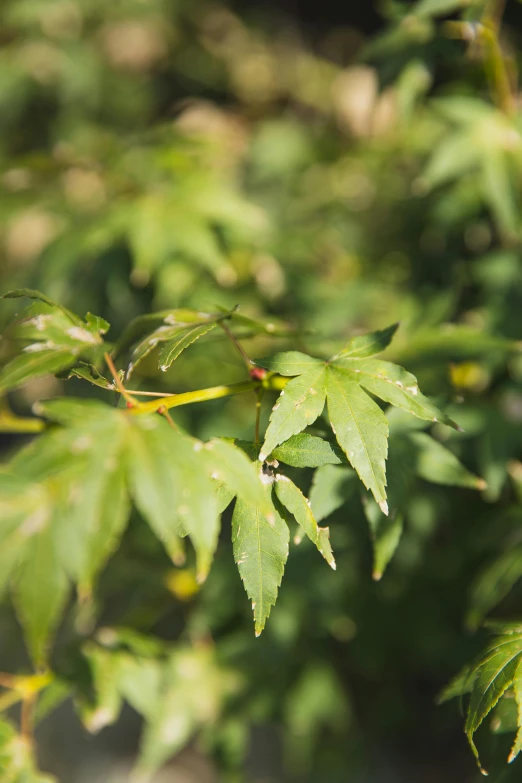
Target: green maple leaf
[
  {"x": 260, "y": 551},
  {"x": 346, "y": 382}
]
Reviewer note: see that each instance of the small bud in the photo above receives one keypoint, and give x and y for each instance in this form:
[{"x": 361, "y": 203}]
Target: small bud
[{"x": 257, "y": 373}]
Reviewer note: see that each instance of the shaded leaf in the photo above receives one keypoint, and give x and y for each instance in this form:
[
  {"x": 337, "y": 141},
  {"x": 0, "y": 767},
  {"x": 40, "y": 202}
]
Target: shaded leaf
[
  {"x": 460, "y": 684},
  {"x": 40, "y": 589},
  {"x": 517, "y": 689},
  {"x": 192, "y": 689},
  {"x": 494, "y": 674},
  {"x": 386, "y": 533},
  {"x": 331, "y": 488},
  {"x": 435, "y": 463}
]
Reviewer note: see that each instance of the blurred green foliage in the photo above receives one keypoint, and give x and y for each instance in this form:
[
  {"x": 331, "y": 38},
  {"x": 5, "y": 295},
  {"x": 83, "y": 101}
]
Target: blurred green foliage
[{"x": 173, "y": 154}]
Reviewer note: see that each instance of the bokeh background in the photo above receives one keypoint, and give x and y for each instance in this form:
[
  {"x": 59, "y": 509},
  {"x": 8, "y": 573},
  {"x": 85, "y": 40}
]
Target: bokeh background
[{"x": 329, "y": 167}]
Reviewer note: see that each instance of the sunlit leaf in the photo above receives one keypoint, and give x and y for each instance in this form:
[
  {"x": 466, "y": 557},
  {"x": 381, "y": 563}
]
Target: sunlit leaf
[
  {"x": 361, "y": 430},
  {"x": 295, "y": 502},
  {"x": 298, "y": 405},
  {"x": 395, "y": 385}
]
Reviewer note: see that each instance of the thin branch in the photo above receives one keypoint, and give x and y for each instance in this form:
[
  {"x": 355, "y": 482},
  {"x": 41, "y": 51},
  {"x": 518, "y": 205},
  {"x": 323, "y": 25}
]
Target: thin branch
[
  {"x": 202, "y": 395},
  {"x": 117, "y": 380},
  {"x": 11, "y": 423},
  {"x": 246, "y": 358},
  {"x": 148, "y": 393}
]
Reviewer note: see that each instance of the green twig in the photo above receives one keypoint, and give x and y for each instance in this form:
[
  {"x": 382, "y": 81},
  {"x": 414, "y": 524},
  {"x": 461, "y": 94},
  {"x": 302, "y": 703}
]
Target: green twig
[{"x": 275, "y": 382}]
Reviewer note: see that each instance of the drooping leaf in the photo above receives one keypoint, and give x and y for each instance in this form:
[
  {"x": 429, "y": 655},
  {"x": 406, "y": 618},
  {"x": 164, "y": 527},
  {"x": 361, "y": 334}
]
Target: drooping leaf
[
  {"x": 460, "y": 684},
  {"x": 150, "y": 477},
  {"x": 25, "y": 508},
  {"x": 298, "y": 405},
  {"x": 106, "y": 706},
  {"x": 365, "y": 345},
  {"x": 40, "y": 588},
  {"x": 386, "y": 534},
  {"x": 308, "y": 451},
  {"x": 29, "y": 557},
  {"x": 87, "y": 455},
  {"x": 295, "y": 502},
  {"x": 332, "y": 486},
  {"x": 361, "y": 430},
  {"x": 517, "y": 689},
  {"x": 172, "y": 489},
  {"x": 192, "y": 690},
  {"x": 260, "y": 552},
  {"x": 494, "y": 675},
  {"x": 435, "y": 463}
]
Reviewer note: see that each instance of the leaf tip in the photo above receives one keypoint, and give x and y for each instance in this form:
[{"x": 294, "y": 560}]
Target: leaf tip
[
  {"x": 482, "y": 484},
  {"x": 377, "y": 576},
  {"x": 383, "y": 505}
]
